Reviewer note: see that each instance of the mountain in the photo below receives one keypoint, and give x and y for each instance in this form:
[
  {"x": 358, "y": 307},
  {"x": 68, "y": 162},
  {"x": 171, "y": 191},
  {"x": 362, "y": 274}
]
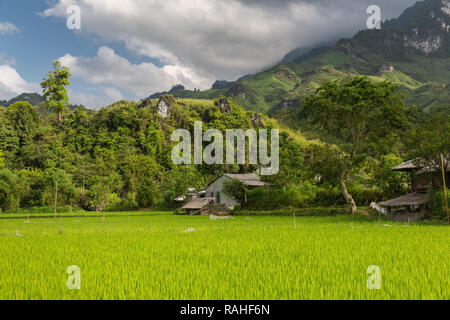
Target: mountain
[
  {"x": 32, "y": 98},
  {"x": 218, "y": 88},
  {"x": 412, "y": 51},
  {"x": 299, "y": 55},
  {"x": 176, "y": 88}
]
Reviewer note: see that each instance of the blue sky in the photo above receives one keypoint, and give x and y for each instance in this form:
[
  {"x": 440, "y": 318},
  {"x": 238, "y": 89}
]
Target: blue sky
[
  {"x": 41, "y": 40},
  {"x": 133, "y": 48}
]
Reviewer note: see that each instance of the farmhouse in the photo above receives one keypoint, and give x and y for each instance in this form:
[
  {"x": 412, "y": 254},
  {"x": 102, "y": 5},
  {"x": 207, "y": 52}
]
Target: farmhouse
[
  {"x": 215, "y": 188},
  {"x": 209, "y": 200},
  {"x": 421, "y": 177}
]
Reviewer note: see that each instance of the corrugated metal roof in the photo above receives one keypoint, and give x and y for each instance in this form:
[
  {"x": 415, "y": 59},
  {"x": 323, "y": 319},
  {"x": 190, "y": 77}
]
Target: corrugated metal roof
[
  {"x": 251, "y": 179},
  {"x": 407, "y": 200},
  {"x": 198, "y": 203}
]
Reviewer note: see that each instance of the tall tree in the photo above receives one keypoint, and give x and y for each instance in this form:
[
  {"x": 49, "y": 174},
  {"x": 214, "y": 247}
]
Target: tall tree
[
  {"x": 429, "y": 141},
  {"x": 54, "y": 87},
  {"x": 359, "y": 116},
  {"x": 429, "y": 144}
]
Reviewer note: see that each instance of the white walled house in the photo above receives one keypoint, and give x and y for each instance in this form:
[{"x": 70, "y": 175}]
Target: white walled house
[{"x": 215, "y": 188}]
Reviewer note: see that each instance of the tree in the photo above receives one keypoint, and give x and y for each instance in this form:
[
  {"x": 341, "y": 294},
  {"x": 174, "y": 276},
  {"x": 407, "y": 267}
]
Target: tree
[
  {"x": 359, "y": 116},
  {"x": 429, "y": 141},
  {"x": 429, "y": 144},
  {"x": 19, "y": 131},
  {"x": 58, "y": 188},
  {"x": 235, "y": 189},
  {"x": 14, "y": 186},
  {"x": 148, "y": 193},
  {"x": 2, "y": 160},
  {"x": 391, "y": 182},
  {"x": 54, "y": 87}
]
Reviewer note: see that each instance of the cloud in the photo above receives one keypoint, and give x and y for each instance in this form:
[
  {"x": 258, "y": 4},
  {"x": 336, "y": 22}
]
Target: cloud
[
  {"x": 221, "y": 39},
  {"x": 95, "y": 100},
  {"x": 115, "y": 73},
  {"x": 200, "y": 41},
  {"x": 6, "y": 60},
  {"x": 8, "y": 28},
  {"x": 12, "y": 84}
]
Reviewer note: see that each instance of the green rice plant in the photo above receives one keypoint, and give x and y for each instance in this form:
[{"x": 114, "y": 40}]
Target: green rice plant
[{"x": 257, "y": 257}]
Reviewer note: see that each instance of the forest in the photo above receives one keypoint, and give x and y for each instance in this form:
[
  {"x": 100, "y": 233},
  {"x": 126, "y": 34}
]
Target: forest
[{"x": 346, "y": 138}]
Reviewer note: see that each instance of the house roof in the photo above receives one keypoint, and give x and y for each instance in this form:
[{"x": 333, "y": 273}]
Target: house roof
[
  {"x": 418, "y": 164},
  {"x": 198, "y": 203},
  {"x": 251, "y": 180},
  {"x": 406, "y": 166},
  {"x": 407, "y": 200}
]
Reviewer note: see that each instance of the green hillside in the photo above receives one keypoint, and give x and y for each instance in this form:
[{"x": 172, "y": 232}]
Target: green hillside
[
  {"x": 32, "y": 98},
  {"x": 412, "y": 51}
]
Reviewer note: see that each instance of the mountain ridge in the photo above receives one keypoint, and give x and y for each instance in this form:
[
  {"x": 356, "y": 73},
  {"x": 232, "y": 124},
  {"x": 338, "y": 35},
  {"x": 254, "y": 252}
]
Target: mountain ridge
[{"x": 413, "y": 51}]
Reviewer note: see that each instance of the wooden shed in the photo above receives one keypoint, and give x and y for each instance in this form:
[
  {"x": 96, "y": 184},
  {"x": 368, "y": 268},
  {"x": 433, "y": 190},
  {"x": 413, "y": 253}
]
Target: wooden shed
[
  {"x": 421, "y": 177},
  {"x": 407, "y": 207},
  {"x": 202, "y": 206}
]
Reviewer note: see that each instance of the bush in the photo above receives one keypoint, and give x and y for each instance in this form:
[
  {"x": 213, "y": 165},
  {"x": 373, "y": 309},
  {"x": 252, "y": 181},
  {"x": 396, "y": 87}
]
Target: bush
[
  {"x": 306, "y": 212},
  {"x": 293, "y": 196},
  {"x": 437, "y": 203},
  {"x": 122, "y": 205},
  {"x": 66, "y": 209},
  {"x": 308, "y": 195}
]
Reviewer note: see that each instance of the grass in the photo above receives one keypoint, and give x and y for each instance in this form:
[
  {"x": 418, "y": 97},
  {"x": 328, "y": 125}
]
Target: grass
[
  {"x": 150, "y": 257},
  {"x": 81, "y": 214}
]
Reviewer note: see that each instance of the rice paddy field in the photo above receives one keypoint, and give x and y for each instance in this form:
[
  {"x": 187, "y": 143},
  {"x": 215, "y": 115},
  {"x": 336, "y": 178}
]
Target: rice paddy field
[{"x": 152, "y": 257}]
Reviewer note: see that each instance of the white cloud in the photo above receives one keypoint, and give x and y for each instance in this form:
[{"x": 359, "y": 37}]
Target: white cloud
[
  {"x": 116, "y": 73},
  {"x": 113, "y": 93},
  {"x": 12, "y": 84},
  {"x": 91, "y": 100},
  {"x": 204, "y": 40},
  {"x": 208, "y": 40},
  {"x": 8, "y": 28}
]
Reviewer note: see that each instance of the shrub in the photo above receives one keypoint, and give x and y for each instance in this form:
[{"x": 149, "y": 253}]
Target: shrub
[
  {"x": 45, "y": 209},
  {"x": 122, "y": 205},
  {"x": 331, "y": 211},
  {"x": 308, "y": 195},
  {"x": 437, "y": 203}
]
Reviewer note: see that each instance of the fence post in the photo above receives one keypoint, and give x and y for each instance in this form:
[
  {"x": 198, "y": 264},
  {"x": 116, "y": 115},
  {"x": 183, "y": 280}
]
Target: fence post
[
  {"x": 295, "y": 223},
  {"x": 445, "y": 189}
]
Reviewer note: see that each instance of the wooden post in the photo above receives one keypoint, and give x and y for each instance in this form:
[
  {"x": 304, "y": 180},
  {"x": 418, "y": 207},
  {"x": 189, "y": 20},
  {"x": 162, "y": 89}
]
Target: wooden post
[
  {"x": 295, "y": 223},
  {"x": 56, "y": 196},
  {"x": 445, "y": 189}
]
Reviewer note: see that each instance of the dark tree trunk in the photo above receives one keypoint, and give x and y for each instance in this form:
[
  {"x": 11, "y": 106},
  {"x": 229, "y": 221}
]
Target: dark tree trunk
[{"x": 352, "y": 209}]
